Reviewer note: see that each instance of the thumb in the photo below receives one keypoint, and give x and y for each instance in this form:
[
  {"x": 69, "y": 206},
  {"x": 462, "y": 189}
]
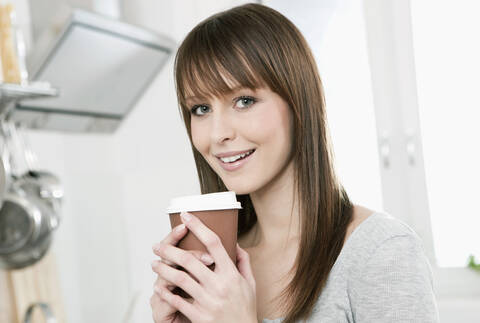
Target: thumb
[{"x": 244, "y": 267}]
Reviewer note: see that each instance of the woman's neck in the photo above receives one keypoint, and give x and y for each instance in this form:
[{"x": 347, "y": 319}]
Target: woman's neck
[{"x": 278, "y": 219}]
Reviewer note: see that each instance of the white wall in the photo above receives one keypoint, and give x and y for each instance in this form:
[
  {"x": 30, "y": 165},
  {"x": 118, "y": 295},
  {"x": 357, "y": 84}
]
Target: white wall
[{"x": 118, "y": 186}]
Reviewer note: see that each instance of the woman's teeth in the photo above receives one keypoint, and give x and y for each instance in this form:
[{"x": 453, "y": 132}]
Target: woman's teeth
[{"x": 234, "y": 158}]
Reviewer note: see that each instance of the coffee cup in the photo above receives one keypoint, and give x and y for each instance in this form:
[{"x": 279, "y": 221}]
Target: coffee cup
[{"x": 218, "y": 212}]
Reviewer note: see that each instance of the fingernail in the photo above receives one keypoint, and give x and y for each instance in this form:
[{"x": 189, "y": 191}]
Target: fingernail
[
  {"x": 180, "y": 228},
  {"x": 154, "y": 263},
  {"x": 207, "y": 259},
  {"x": 186, "y": 216}
]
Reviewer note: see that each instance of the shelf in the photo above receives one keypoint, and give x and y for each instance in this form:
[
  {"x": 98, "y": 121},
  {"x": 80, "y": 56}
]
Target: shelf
[
  {"x": 11, "y": 93},
  {"x": 14, "y": 92}
]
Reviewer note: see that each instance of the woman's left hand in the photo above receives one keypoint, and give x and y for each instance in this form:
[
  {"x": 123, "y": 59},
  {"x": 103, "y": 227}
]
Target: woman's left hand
[{"x": 226, "y": 294}]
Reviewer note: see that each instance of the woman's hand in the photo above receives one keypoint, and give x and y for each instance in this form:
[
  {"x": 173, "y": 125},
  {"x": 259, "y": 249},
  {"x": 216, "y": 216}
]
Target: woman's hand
[
  {"x": 227, "y": 294},
  {"x": 162, "y": 311}
]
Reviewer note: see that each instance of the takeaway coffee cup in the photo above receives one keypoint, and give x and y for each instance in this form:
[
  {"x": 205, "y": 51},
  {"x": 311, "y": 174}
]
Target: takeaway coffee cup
[{"x": 218, "y": 211}]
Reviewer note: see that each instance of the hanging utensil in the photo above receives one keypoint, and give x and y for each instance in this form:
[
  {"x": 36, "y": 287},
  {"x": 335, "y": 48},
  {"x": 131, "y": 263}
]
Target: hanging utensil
[
  {"x": 26, "y": 220},
  {"x": 4, "y": 166},
  {"x": 46, "y": 310},
  {"x": 44, "y": 184}
]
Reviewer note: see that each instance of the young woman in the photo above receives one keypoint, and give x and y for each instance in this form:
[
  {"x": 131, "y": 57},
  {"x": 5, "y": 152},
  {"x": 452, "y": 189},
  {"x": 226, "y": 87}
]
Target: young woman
[{"x": 254, "y": 109}]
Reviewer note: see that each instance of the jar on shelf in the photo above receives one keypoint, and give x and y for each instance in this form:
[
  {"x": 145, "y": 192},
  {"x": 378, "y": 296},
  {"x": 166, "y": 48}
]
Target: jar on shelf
[{"x": 12, "y": 47}]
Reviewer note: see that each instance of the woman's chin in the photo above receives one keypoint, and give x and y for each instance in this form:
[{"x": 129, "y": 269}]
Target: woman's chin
[
  {"x": 239, "y": 188},
  {"x": 239, "y": 191}
]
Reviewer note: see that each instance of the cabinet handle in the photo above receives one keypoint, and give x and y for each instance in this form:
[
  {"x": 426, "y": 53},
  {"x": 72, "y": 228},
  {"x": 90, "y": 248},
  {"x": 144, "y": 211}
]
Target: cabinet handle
[
  {"x": 411, "y": 147},
  {"x": 385, "y": 150}
]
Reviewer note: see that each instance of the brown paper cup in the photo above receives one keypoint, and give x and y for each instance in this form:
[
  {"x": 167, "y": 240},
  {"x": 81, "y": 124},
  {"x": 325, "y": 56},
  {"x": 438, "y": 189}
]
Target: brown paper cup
[{"x": 224, "y": 222}]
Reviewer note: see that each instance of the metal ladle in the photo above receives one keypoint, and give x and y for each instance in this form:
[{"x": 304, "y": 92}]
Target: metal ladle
[
  {"x": 27, "y": 220},
  {"x": 47, "y": 312},
  {"x": 45, "y": 184}
]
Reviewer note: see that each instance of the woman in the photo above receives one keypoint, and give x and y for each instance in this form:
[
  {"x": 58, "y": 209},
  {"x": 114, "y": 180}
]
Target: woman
[{"x": 248, "y": 87}]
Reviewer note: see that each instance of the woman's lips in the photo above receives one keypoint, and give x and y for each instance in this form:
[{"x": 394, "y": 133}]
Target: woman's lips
[{"x": 236, "y": 164}]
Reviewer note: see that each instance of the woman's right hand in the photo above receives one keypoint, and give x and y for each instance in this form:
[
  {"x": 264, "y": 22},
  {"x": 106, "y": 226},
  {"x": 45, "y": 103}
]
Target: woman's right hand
[{"x": 162, "y": 311}]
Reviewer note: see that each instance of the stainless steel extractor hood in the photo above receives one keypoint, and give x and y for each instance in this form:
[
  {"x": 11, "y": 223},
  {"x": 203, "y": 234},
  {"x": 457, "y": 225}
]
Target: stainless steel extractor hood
[{"x": 101, "y": 66}]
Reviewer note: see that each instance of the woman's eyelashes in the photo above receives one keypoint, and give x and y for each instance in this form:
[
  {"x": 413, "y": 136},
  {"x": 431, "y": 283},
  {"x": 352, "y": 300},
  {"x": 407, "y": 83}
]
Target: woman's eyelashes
[
  {"x": 241, "y": 102},
  {"x": 194, "y": 109},
  {"x": 245, "y": 100}
]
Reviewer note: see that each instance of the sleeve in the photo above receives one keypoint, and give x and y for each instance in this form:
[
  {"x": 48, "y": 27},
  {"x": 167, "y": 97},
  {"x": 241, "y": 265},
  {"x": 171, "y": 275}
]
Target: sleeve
[{"x": 394, "y": 284}]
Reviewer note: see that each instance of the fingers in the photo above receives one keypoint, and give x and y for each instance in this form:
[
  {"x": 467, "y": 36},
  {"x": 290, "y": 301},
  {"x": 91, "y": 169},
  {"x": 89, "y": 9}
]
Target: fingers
[
  {"x": 161, "y": 309},
  {"x": 181, "y": 279},
  {"x": 160, "y": 282},
  {"x": 187, "y": 260},
  {"x": 173, "y": 238},
  {"x": 202, "y": 256},
  {"x": 185, "y": 306},
  {"x": 244, "y": 266},
  {"x": 205, "y": 258},
  {"x": 209, "y": 238}
]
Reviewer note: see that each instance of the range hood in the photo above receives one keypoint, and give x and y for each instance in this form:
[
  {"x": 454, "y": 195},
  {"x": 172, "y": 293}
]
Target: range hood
[{"x": 100, "y": 66}]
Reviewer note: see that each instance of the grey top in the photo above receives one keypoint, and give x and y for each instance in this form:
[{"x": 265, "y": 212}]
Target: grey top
[{"x": 381, "y": 275}]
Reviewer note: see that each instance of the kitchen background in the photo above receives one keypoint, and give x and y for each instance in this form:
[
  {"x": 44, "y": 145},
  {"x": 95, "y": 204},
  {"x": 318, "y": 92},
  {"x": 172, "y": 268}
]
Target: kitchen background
[{"x": 400, "y": 80}]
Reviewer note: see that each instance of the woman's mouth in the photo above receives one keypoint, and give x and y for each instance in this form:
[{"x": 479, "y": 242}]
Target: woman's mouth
[{"x": 235, "y": 162}]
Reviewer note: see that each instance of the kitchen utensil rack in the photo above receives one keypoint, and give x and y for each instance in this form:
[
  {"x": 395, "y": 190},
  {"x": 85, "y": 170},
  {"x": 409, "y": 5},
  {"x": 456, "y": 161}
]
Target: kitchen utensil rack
[{"x": 11, "y": 93}]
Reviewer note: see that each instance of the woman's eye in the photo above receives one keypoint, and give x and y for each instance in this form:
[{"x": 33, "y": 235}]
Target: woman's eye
[
  {"x": 241, "y": 103},
  {"x": 201, "y": 108},
  {"x": 245, "y": 101}
]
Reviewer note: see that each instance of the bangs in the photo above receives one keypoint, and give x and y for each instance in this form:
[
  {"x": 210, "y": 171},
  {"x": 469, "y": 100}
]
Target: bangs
[{"x": 208, "y": 64}]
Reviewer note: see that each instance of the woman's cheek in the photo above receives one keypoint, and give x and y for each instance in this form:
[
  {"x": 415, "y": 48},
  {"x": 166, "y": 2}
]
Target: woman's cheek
[{"x": 197, "y": 140}]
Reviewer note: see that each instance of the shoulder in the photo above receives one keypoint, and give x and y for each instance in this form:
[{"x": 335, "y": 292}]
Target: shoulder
[
  {"x": 386, "y": 242},
  {"x": 388, "y": 271},
  {"x": 379, "y": 229}
]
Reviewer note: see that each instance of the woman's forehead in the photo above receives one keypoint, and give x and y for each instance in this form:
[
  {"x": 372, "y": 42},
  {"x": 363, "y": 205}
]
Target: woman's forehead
[
  {"x": 208, "y": 87},
  {"x": 201, "y": 83},
  {"x": 192, "y": 97},
  {"x": 208, "y": 91}
]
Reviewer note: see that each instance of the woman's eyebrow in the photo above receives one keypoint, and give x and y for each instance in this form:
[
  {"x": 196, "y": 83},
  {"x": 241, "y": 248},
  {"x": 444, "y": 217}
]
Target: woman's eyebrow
[
  {"x": 192, "y": 98},
  {"x": 236, "y": 90},
  {"x": 233, "y": 91}
]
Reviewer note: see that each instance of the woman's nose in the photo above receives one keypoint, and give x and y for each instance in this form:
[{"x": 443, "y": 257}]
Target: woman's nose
[{"x": 222, "y": 128}]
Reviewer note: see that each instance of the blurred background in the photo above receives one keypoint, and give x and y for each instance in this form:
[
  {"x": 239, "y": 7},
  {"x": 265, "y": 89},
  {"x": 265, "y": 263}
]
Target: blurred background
[{"x": 401, "y": 81}]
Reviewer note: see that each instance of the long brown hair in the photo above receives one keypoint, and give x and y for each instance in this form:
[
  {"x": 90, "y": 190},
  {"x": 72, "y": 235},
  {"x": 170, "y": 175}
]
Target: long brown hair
[{"x": 257, "y": 46}]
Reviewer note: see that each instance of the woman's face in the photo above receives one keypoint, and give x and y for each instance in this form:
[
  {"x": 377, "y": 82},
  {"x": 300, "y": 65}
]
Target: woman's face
[{"x": 240, "y": 122}]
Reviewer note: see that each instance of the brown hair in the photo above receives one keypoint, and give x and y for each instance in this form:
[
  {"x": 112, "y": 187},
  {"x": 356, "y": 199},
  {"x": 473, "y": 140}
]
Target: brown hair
[{"x": 254, "y": 37}]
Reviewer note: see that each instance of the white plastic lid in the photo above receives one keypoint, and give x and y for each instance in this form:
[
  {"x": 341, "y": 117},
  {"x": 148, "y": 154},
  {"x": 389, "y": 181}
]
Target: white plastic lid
[{"x": 204, "y": 202}]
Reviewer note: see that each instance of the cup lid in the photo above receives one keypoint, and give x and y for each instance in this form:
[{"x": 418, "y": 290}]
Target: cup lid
[{"x": 204, "y": 202}]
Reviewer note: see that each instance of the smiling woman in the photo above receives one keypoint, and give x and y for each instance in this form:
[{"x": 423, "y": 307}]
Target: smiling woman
[
  {"x": 253, "y": 105},
  {"x": 247, "y": 145}
]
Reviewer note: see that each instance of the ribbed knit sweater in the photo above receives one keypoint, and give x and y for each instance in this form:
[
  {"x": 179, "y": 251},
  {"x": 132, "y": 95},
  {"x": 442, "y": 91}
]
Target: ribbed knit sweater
[{"x": 382, "y": 275}]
